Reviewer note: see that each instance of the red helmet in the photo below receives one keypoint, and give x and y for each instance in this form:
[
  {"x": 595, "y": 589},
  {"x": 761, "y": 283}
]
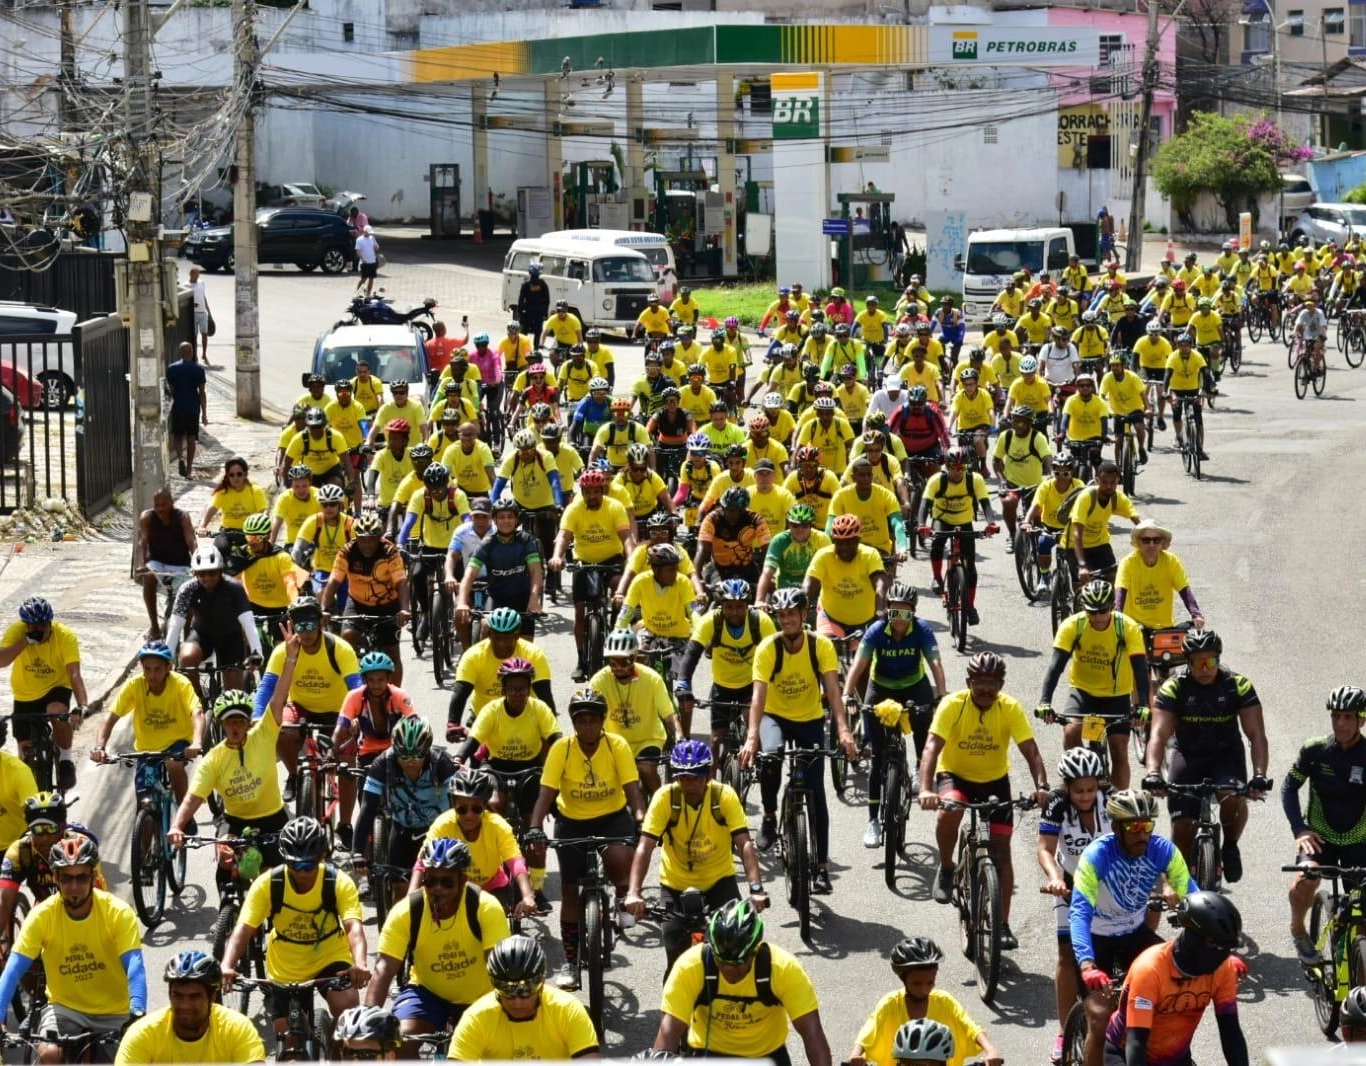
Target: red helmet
[
  {"x": 808, "y": 454},
  {"x": 846, "y": 527},
  {"x": 592, "y": 479},
  {"x": 398, "y": 425}
]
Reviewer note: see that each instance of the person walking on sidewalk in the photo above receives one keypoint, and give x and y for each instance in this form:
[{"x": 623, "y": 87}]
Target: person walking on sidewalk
[
  {"x": 185, "y": 380},
  {"x": 367, "y": 252},
  {"x": 202, "y": 316}
]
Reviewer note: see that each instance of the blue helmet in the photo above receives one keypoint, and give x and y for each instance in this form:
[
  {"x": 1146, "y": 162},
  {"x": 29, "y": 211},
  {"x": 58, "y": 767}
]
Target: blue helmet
[
  {"x": 445, "y": 853},
  {"x": 156, "y": 649},
  {"x": 375, "y": 660},
  {"x": 735, "y": 588},
  {"x": 35, "y": 611},
  {"x": 690, "y": 757},
  {"x": 504, "y": 620},
  {"x": 481, "y": 338},
  {"x": 699, "y": 442},
  {"x": 196, "y": 966}
]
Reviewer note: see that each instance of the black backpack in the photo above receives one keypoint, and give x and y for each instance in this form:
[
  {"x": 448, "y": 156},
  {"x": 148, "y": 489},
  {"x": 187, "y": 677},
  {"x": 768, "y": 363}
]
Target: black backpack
[
  {"x": 763, "y": 980},
  {"x": 417, "y": 906},
  {"x": 676, "y": 804},
  {"x": 328, "y": 906},
  {"x": 718, "y": 631},
  {"x": 1009, "y": 437},
  {"x": 780, "y": 651}
]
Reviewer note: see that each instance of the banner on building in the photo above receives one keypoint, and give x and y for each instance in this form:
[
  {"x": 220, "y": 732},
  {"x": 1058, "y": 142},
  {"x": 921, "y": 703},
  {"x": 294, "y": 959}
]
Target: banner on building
[
  {"x": 1076, "y": 127},
  {"x": 1004, "y": 46}
]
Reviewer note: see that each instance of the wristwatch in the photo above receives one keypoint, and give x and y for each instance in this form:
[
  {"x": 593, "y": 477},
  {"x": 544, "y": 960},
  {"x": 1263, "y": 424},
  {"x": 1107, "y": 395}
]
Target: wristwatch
[{"x": 756, "y": 887}]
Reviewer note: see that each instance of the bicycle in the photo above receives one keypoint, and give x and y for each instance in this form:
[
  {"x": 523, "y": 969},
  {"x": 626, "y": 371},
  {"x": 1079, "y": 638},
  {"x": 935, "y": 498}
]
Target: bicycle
[
  {"x": 726, "y": 754},
  {"x": 1308, "y": 372},
  {"x": 308, "y": 1033},
  {"x": 85, "y": 1048},
  {"x": 597, "y": 932},
  {"x": 441, "y": 615},
  {"x": 1186, "y": 410},
  {"x": 1128, "y": 453},
  {"x": 1209, "y": 832},
  {"x": 956, "y": 583},
  {"x": 977, "y": 891},
  {"x": 1166, "y": 649},
  {"x": 1337, "y": 927},
  {"x": 368, "y": 625},
  {"x": 153, "y": 864},
  {"x": 1351, "y": 337},
  {"x": 597, "y": 610},
  {"x": 660, "y": 654},
  {"x": 1094, "y": 734},
  {"x": 241, "y": 859},
  {"x": 897, "y": 791},
  {"x": 39, "y": 751},
  {"x": 318, "y": 792},
  {"x": 795, "y": 830},
  {"x": 846, "y": 649},
  {"x": 917, "y": 471}
]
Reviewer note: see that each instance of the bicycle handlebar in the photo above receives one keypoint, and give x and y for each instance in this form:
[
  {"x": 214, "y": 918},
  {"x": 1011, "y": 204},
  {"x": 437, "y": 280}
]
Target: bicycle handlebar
[
  {"x": 318, "y": 984},
  {"x": 988, "y": 805},
  {"x": 597, "y": 843},
  {"x": 1210, "y": 788}
]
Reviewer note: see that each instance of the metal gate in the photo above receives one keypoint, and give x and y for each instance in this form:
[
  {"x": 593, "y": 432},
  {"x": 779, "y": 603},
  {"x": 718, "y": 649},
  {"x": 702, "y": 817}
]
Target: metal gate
[
  {"x": 37, "y": 444},
  {"x": 104, "y": 435}
]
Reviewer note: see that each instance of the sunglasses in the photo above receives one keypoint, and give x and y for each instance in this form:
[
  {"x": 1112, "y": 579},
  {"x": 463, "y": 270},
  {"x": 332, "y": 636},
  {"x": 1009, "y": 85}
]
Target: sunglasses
[
  {"x": 74, "y": 879},
  {"x": 44, "y": 829},
  {"x": 438, "y": 882},
  {"x": 1150, "y": 540},
  {"x": 305, "y": 627},
  {"x": 1206, "y": 661},
  {"x": 898, "y": 612},
  {"x": 470, "y": 808},
  {"x": 1145, "y": 826},
  {"x": 360, "y": 1054},
  {"x": 303, "y": 867},
  {"x": 327, "y": 505},
  {"x": 521, "y": 990}
]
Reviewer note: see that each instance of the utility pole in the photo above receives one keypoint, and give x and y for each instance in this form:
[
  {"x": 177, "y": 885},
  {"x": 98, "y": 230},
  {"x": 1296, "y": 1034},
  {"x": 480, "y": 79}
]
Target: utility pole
[
  {"x": 143, "y": 297},
  {"x": 244, "y": 238},
  {"x": 1133, "y": 254},
  {"x": 66, "y": 79}
]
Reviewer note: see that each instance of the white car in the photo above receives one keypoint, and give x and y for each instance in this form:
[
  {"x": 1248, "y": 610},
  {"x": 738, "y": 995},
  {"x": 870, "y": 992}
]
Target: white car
[
  {"x": 393, "y": 352},
  {"x": 298, "y": 194},
  {"x": 54, "y": 363},
  {"x": 1330, "y": 222}
]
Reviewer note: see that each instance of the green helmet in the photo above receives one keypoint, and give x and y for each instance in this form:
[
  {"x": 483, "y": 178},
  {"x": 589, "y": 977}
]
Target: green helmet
[
  {"x": 411, "y": 738},
  {"x": 257, "y": 525},
  {"x": 735, "y": 931},
  {"x": 803, "y": 514},
  {"x": 233, "y": 702}
]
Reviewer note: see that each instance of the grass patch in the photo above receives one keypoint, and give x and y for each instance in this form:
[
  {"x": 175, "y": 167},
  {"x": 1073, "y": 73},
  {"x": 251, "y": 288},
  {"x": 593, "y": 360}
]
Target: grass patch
[{"x": 749, "y": 302}]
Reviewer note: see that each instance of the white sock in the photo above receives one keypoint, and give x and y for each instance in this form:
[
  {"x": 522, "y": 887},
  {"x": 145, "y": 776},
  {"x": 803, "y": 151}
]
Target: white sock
[{"x": 64, "y": 755}]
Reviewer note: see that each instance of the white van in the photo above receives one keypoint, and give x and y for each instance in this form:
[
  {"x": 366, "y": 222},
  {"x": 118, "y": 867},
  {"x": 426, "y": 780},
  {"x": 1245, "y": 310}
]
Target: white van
[
  {"x": 654, "y": 246},
  {"x": 994, "y": 255},
  {"x": 605, "y": 285}
]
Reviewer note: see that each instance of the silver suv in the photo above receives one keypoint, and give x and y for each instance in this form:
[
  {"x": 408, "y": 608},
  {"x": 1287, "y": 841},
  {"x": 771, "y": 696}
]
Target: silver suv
[
  {"x": 1330, "y": 222},
  {"x": 53, "y": 364}
]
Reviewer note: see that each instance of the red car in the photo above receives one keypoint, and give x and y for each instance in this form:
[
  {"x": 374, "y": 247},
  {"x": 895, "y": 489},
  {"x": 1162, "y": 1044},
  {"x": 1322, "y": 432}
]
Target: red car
[{"x": 28, "y": 392}]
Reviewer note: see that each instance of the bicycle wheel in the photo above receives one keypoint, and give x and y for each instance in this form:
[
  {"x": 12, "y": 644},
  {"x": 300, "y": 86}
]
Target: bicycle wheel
[
  {"x": 1027, "y": 565},
  {"x": 1254, "y": 326},
  {"x": 441, "y": 638},
  {"x": 310, "y": 796},
  {"x": 1235, "y": 355},
  {"x": 956, "y": 588},
  {"x": 322, "y": 1034},
  {"x": 917, "y": 490},
  {"x": 1074, "y": 1036},
  {"x": 381, "y": 888},
  {"x": 964, "y": 899},
  {"x": 987, "y": 928},
  {"x": 1060, "y": 601},
  {"x": 1139, "y": 736},
  {"x": 1320, "y": 379},
  {"x": 593, "y": 640},
  {"x": 803, "y": 834},
  {"x": 176, "y": 863},
  {"x": 1322, "y": 980},
  {"x": 44, "y": 758},
  {"x": 1356, "y": 346},
  {"x": 893, "y": 825},
  {"x": 1207, "y": 863},
  {"x": 733, "y": 775},
  {"x": 590, "y": 955},
  {"x": 146, "y": 870},
  {"x": 417, "y": 622},
  {"x": 797, "y": 870},
  {"x": 27, "y": 994},
  {"x": 839, "y": 762}
]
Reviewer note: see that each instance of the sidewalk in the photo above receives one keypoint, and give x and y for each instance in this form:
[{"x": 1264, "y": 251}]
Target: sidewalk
[{"x": 89, "y": 583}]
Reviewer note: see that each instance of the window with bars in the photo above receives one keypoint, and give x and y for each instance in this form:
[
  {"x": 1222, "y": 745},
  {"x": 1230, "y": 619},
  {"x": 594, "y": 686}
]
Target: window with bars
[
  {"x": 1111, "y": 48},
  {"x": 989, "y": 134}
]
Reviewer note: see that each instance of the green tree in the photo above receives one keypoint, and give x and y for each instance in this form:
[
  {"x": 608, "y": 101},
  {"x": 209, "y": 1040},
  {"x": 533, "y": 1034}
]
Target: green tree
[{"x": 1225, "y": 156}]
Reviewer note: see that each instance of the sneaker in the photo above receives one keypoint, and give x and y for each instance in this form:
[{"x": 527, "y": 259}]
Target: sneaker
[
  {"x": 1142, "y": 458},
  {"x": 1007, "y": 938},
  {"x": 1232, "y": 860},
  {"x": 768, "y": 834},
  {"x": 567, "y": 977},
  {"x": 363, "y": 887},
  {"x": 1204, "y": 457},
  {"x": 580, "y": 674},
  {"x": 943, "y": 885},
  {"x": 344, "y": 837},
  {"x": 1043, "y": 588},
  {"x": 872, "y": 836},
  {"x": 1304, "y": 948},
  {"x": 1161, "y": 423},
  {"x": 543, "y": 906},
  {"x": 820, "y": 882},
  {"x": 973, "y": 617},
  {"x": 1010, "y": 545},
  {"x": 937, "y": 587},
  {"x": 66, "y": 775},
  {"x": 1056, "y": 1056},
  {"x": 288, "y": 794}
]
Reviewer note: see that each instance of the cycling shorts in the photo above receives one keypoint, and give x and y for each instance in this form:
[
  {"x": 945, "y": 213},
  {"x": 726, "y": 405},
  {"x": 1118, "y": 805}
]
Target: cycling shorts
[
  {"x": 574, "y": 861},
  {"x": 1192, "y": 393},
  {"x": 1118, "y": 952},
  {"x": 226, "y": 646},
  {"x": 1153, "y": 373},
  {"x": 951, "y": 787},
  {"x": 1334, "y": 855},
  {"x": 836, "y": 630},
  {"x": 584, "y": 581},
  {"x": 385, "y": 633},
  {"x": 418, "y": 1004},
  {"x": 721, "y": 717},
  {"x": 1101, "y": 557},
  {"x": 1116, "y": 709},
  {"x": 62, "y": 1023},
  {"x": 279, "y": 1000},
  {"x": 323, "y": 722},
  {"x": 24, "y": 709},
  {"x": 1228, "y": 764}
]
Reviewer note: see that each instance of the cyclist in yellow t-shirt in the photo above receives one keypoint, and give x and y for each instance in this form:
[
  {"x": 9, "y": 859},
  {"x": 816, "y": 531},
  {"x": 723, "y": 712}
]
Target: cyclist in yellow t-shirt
[
  {"x": 1092, "y": 339},
  {"x": 661, "y": 601},
  {"x": 389, "y": 466},
  {"x": 950, "y": 500},
  {"x": 1034, "y": 324},
  {"x": 1150, "y": 579},
  {"x": 590, "y": 780},
  {"x": 1043, "y": 514},
  {"x": 1082, "y": 420},
  {"x": 639, "y": 709},
  {"x": 847, "y": 580},
  {"x": 368, "y": 389},
  {"x": 1188, "y": 375},
  {"x": 1108, "y": 664},
  {"x": 684, "y": 307},
  {"x": 1123, "y": 393},
  {"x": 563, "y": 327},
  {"x": 966, "y": 760},
  {"x": 971, "y": 411},
  {"x": 293, "y": 507}
]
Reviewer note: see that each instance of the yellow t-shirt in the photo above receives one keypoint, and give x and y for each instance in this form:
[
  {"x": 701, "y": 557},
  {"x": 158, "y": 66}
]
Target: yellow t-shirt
[
  {"x": 437, "y": 517},
  {"x": 772, "y": 449},
  {"x": 872, "y": 325},
  {"x": 494, "y": 846},
  {"x": 236, "y": 505},
  {"x": 977, "y": 743},
  {"x": 1049, "y": 498},
  {"x": 1007, "y": 371},
  {"x": 321, "y": 936},
  {"x": 561, "y": 1029},
  {"x": 470, "y": 470},
  {"x": 319, "y": 454},
  {"x": 853, "y": 400},
  {"x": 1150, "y": 591},
  {"x": 986, "y": 377},
  {"x": 874, "y": 514},
  {"x": 1122, "y": 396},
  {"x": 795, "y": 692},
  {"x": 1022, "y": 456},
  {"x": 566, "y": 330},
  {"x": 732, "y": 656},
  {"x": 723, "y": 481},
  {"x": 479, "y": 667},
  {"x": 1208, "y": 327},
  {"x": 159, "y": 720},
  {"x": 519, "y": 738},
  {"x": 599, "y": 534},
  {"x": 530, "y": 482},
  {"x": 1153, "y": 351},
  {"x": 655, "y": 319},
  {"x": 346, "y": 421},
  {"x": 589, "y": 786},
  {"x": 638, "y": 710},
  {"x": 772, "y": 506},
  {"x": 890, "y": 1014},
  {"x": 293, "y": 511},
  {"x": 1185, "y": 372},
  {"x": 954, "y": 502},
  {"x": 411, "y": 412},
  {"x": 1085, "y": 418},
  {"x": 721, "y": 363},
  {"x": 248, "y": 780},
  {"x": 83, "y": 958},
  {"x": 696, "y": 850},
  {"x": 972, "y": 412},
  {"x": 448, "y": 960},
  {"x": 1100, "y": 657},
  {"x": 264, "y": 580},
  {"x": 316, "y": 686},
  {"x": 832, "y": 440},
  {"x": 1064, "y": 312},
  {"x": 231, "y": 1037},
  {"x": 573, "y": 379},
  {"x": 326, "y": 540},
  {"x": 644, "y": 495},
  {"x": 390, "y": 471},
  {"x": 1091, "y": 341},
  {"x": 367, "y": 392},
  {"x": 736, "y": 1023},
  {"x": 17, "y": 784},
  {"x": 1095, "y": 520},
  {"x": 1035, "y": 328},
  {"x": 697, "y": 404},
  {"x": 847, "y": 594},
  {"x": 1035, "y": 393},
  {"x": 665, "y": 611},
  {"x": 516, "y": 355},
  {"x": 818, "y": 496},
  {"x": 40, "y": 668}
]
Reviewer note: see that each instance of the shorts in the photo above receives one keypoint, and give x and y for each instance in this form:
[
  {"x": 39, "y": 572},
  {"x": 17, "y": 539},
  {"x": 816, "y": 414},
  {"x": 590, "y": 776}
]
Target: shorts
[
  {"x": 279, "y": 1000},
  {"x": 330, "y": 474},
  {"x": 404, "y": 846},
  {"x": 226, "y": 648},
  {"x": 323, "y": 722},
  {"x": 369, "y": 270},
  {"x": 185, "y": 423},
  {"x": 528, "y": 790},
  {"x": 829, "y": 627},
  {"x": 649, "y": 750},
  {"x": 585, "y": 585},
  {"x": 1228, "y": 763},
  {"x": 1192, "y": 393},
  {"x": 146, "y": 778},
  {"x": 201, "y": 322},
  {"x": 1002, "y": 820},
  {"x": 62, "y": 1023},
  {"x": 1153, "y": 373},
  {"x": 1116, "y": 709},
  {"x": 384, "y": 633},
  {"x": 268, "y": 826},
  {"x": 27, "y": 709},
  {"x": 1119, "y": 952},
  {"x": 1101, "y": 557},
  {"x": 723, "y": 716},
  {"x": 573, "y": 861},
  {"x": 417, "y": 1004},
  {"x": 1334, "y": 855}
]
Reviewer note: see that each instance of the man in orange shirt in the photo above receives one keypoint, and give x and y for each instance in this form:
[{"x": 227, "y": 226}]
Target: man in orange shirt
[{"x": 441, "y": 347}]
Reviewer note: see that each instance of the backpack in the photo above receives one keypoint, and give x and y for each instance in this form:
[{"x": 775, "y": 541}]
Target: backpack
[
  {"x": 780, "y": 651},
  {"x": 329, "y": 899},
  {"x": 1119, "y": 640},
  {"x": 763, "y": 979},
  {"x": 450, "y": 505},
  {"x": 942, "y": 490},
  {"x": 718, "y": 630},
  {"x": 1009, "y": 436},
  {"x": 417, "y": 905},
  {"x": 1069, "y": 502},
  {"x": 676, "y": 804}
]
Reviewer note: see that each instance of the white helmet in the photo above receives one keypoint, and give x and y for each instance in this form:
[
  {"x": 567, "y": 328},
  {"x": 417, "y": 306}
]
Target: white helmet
[
  {"x": 206, "y": 558},
  {"x": 1153, "y": 326}
]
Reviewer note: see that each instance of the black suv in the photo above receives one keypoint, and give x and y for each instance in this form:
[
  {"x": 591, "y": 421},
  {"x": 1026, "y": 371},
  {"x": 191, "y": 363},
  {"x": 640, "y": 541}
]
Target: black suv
[{"x": 306, "y": 237}]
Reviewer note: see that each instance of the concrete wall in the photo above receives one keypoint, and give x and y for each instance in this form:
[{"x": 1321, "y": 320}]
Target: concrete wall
[{"x": 1337, "y": 175}]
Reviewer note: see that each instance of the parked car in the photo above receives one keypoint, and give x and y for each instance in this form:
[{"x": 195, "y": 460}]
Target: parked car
[
  {"x": 307, "y": 237},
  {"x": 393, "y": 352},
  {"x": 294, "y": 194},
  {"x": 1296, "y": 195},
  {"x": 343, "y": 201},
  {"x": 53, "y": 365},
  {"x": 28, "y": 392},
  {"x": 9, "y": 428},
  {"x": 1330, "y": 222}
]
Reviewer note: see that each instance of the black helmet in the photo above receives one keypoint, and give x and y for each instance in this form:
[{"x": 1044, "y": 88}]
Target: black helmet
[
  {"x": 1353, "y": 1010},
  {"x": 1347, "y": 698},
  {"x": 472, "y": 784},
  {"x": 302, "y": 840},
  {"x": 915, "y": 951},
  {"x": 1203, "y": 642},
  {"x": 1211, "y": 916},
  {"x": 986, "y": 664},
  {"x": 735, "y": 931},
  {"x": 516, "y": 965}
]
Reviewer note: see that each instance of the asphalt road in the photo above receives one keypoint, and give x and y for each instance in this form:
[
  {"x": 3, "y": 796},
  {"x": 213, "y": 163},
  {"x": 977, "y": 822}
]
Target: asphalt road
[{"x": 1270, "y": 538}]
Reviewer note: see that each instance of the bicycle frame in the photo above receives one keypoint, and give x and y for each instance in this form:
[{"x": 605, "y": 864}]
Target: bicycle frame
[
  {"x": 151, "y": 825},
  {"x": 304, "y": 1039},
  {"x": 319, "y": 791}
]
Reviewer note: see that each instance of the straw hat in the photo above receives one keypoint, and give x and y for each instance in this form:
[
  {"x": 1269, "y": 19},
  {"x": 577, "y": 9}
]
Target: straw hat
[{"x": 1149, "y": 526}]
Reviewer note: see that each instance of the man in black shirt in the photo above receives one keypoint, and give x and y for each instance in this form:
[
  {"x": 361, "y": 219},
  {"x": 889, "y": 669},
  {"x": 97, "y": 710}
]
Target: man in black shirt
[
  {"x": 533, "y": 303},
  {"x": 510, "y": 562},
  {"x": 213, "y": 612}
]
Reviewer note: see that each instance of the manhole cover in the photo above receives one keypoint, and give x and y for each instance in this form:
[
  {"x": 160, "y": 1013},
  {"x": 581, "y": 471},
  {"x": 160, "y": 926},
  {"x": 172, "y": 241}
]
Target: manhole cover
[{"x": 91, "y": 616}]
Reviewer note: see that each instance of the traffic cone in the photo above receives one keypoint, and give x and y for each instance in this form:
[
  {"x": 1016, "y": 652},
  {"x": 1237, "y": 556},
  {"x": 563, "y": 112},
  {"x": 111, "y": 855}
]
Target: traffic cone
[
  {"x": 479, "y": 232},
  {"x": 1171, "y": 251}
]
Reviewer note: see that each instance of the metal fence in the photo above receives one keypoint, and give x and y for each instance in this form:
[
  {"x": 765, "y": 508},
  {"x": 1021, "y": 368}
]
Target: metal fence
[
  {"x": 104, "y": 435},
  {"x": 81, "y": 281}
]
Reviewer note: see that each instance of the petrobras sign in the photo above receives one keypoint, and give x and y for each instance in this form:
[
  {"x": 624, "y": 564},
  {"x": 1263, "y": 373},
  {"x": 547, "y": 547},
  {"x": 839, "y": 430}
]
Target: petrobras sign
[
  {"x": 1003, "y": 46},
  {"x": 797, "y": 99}
]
